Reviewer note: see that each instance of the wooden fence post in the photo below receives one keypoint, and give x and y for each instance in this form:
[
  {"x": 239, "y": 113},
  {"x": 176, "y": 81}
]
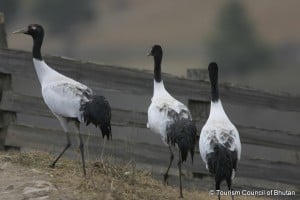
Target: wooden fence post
[
  {"x": 6, "y": 117},
  {"x": 3, "y": 40}
]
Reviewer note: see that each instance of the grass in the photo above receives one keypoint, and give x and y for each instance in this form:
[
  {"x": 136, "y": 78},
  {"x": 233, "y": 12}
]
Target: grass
[{"x": 106, "y": 179}]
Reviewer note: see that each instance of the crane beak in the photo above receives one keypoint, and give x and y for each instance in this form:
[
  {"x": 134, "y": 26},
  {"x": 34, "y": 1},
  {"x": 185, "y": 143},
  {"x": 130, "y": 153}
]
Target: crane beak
[{"x": 24, "y": 30}]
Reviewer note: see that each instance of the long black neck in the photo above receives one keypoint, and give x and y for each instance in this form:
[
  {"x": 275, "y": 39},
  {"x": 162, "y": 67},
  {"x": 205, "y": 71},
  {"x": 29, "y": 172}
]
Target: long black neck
[
  {"x": 157, "y": 68},
  {"x": 213, "y": 75},
  {"x": 36, "y": 50}
]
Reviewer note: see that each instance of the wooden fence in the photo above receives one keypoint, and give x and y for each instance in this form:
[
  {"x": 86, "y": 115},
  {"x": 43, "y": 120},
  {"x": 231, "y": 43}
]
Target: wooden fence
[{"x": 268, "y": 123}]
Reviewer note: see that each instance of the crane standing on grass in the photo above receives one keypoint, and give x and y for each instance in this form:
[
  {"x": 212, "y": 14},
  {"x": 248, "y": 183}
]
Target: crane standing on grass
[
  {"x": 219, "y": 143},
  {"x": 170, "y": 118},
  {"x": 68, "y": 99}
]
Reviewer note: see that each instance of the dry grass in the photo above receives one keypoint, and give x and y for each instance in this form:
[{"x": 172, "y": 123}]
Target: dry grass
[{"x": 106, "y": 179}]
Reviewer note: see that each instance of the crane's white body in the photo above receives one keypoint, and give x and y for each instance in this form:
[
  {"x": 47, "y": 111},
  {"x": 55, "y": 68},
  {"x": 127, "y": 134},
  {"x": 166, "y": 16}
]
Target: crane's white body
[
  {"x": 218, "y": 129},
  {"x": 62, "y": 95},
  {"x": 162, "y": 109}
]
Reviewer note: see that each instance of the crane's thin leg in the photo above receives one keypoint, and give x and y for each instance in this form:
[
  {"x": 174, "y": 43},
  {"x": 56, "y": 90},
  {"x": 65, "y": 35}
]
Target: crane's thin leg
[
  {"x": 179, "y": 167},
  {"x": 218, "y": 188},
  {"x": 171, "y": 160},
  {"x": 103, "y": 148},
  {"x": 229, "y": 187},
  {"x": 63, "y": 123},
  {"x": 81, "y": 146}
]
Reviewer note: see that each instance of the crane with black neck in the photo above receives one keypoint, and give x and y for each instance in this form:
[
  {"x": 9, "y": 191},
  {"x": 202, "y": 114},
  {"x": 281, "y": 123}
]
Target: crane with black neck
[
  {"x": 219, "y": 143},
  {"x": 68, "y": 100},
  {"x": 170, "y": 119}
]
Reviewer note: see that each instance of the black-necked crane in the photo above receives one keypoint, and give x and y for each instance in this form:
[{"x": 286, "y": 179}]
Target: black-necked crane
[
  {"x": 219, "y": 143},
  {"x": 170, "y": 118},
  {"x": 68, "y": 99}
]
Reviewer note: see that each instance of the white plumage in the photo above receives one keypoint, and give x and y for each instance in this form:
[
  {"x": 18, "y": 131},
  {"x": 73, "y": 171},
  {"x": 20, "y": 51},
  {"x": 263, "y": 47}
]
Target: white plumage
[
  {"x": 218, "y": 129},
  {"x": 62, "y": 95},
  {"x": 164, "y": 110}
]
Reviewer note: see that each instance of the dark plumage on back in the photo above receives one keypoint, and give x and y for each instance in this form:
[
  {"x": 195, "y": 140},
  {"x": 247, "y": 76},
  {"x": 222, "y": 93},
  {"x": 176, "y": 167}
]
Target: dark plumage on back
[
  {"x": 220, "y": 163},
  {"x": 97, "y": 111},
  {"x": 183, "y": 133}
]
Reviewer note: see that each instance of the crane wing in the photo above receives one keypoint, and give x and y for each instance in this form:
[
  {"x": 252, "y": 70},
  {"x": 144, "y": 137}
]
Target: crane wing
[{"x": 64, "y": 98}]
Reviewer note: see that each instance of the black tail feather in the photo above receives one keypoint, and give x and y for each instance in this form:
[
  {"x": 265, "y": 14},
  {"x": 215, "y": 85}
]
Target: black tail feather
[
  {"x": 97, "y": 111},
  {"x": 183, "y": 133},
  {"x": 221, "y": 162}
]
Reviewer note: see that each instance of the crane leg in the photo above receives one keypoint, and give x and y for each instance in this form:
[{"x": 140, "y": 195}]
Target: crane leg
[
  {"x": 81, "y": 146},
  {"x": 63, "y": 122},
  {"x": 171, "y": 160},
  {"x": 103, "y": 148},
  {"x": 179, "y": 168},
  {"x": 229, "y": 183},
  {"x": 218, "y": 182}
]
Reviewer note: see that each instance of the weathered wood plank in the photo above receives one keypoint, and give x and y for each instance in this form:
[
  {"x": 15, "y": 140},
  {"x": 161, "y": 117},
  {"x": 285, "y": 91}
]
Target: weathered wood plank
[
  {"x": 270, "y": 138},
  {"x": 14, "y": 102},
  {"x": 24, "y": 136},
  {"x": 140, "y": 82}
]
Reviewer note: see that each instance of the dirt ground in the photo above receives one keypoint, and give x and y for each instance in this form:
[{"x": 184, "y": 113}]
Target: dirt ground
[{"x": 26, "y": 176}]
